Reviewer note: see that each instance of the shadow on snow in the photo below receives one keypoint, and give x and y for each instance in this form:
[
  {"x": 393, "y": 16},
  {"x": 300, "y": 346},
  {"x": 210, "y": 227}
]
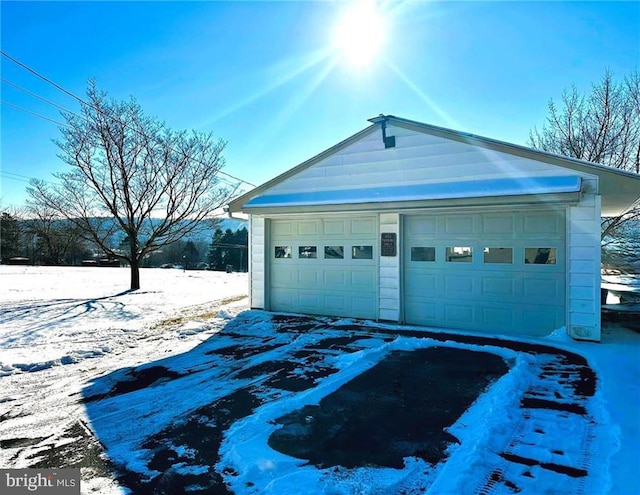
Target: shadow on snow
[{"x": 63, "y": 310}]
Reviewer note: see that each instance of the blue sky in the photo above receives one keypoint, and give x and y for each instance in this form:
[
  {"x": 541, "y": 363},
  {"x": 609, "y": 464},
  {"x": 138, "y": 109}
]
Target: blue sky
[{"x": 265, "y": 77}]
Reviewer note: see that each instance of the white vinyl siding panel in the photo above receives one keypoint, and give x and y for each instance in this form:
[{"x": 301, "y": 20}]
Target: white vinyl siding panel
[
  {"x": 417, "y": 159},
  {"x": 584, "y": 268},
  {"x": 257, "y": 264},
  {"x": 326, "y": 286},
  {"x": 511, "y": 297},
  {"x": 389, "y": 298}
]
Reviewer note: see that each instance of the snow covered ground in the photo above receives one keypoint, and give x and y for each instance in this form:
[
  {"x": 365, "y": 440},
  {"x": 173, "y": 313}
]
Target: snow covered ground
[
  {"x": 71, "y": 339},
  {"x": 62, "y": 327}
]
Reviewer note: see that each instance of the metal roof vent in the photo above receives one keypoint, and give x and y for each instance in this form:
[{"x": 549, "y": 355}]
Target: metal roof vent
[{"x": 389, "y": 141}]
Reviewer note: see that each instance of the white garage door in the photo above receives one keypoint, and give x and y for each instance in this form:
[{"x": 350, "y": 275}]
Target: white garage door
[
  {"x": 324, "y": 266},
  {"x": 501, "y": 271}
]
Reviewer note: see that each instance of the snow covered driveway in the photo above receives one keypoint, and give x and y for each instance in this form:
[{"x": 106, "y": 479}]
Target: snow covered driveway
[{"x": 182, "y": 391}]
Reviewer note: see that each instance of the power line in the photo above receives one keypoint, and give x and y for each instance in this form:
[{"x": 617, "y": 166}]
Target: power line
[
  {"x": 3, "y": 102},
  {"x": 17, "y": 176},
  {"x": 35, "y": 73},
  {"x": 72, "y": 95},
  {"x": 59, "y": 107},
  {"x": 4, "y": 174},
  {"x": 35, "y": 114},
  {"x": 64, "y": 124},
  {"x": 20, "y": 177}
]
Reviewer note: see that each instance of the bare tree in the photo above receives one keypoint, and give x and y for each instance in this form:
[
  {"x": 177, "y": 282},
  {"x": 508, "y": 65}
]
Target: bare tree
[
  {"x": 55, "y": 238},
  {"x": 601, "y": 127},
  {"x": 131, "y": 174}
]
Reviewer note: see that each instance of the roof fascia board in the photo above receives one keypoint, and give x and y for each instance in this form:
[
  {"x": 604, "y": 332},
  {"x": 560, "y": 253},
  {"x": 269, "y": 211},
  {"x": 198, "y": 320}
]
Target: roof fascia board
[
  {"x": 521, "y": 200},
  {"x": 423, "y": 192},
  {"x": 236, "y": 204}
]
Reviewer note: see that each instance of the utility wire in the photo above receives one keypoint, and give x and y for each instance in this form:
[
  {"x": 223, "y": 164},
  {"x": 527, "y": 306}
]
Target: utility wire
[
  {"x": 8, "y": 175},
  {"x": 64, "y": 124},
  {"x": 35, "y": 73},
  {"x": 72, "y": 95},
  {"x": 3, "y": 102},
  {"x": 35, "y": 114},
  {"x": 17, "y": 176},
  {"x": 59, "y": 107}
]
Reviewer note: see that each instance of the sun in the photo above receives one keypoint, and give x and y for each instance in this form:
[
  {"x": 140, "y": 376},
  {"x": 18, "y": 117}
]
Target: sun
[{"x": 359, "y": 34}]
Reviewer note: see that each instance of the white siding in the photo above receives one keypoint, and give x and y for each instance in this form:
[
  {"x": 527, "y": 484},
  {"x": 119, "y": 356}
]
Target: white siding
[
  {"x": 417, "y": 159},
  {"x": 583, "y": 247},
  {"x": 389, "y": 298},
  {"x": 257, "y": 265}
]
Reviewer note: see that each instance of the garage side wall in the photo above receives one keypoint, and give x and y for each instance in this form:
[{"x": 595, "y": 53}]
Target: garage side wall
[
  {"x": 257, "y": 262},
  {"x": 389, "y": 298},
  {"x": 583, "y": 239}
]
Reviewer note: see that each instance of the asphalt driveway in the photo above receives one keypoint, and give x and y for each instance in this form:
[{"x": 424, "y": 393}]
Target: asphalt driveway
[{"x": 179, "y": 425}]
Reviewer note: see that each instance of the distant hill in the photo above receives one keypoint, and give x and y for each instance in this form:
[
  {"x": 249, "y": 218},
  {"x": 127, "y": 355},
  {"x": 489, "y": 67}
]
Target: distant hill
[
  {"x": 204, "y": 234},
  {"x": 224, "y": 223},
  {"x": 233, "y": 224}
]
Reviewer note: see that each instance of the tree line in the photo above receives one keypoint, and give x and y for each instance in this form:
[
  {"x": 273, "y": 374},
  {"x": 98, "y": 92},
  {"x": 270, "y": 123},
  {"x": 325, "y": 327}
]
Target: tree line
[{"x": 50, "y": 241}]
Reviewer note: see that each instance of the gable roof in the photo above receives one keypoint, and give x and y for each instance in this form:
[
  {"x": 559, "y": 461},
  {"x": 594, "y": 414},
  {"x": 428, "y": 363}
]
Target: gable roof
[{"x": 619, "y": 189}]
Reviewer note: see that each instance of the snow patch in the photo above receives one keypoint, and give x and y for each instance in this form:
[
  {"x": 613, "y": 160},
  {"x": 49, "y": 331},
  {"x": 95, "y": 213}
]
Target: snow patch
[
  {"x": 225, "y": 315},
  {"x": 193, "y": 328},
  {"x": 559, "y": 335}
]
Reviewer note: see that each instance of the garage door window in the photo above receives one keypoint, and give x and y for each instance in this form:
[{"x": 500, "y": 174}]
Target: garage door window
[
  {"x": 540, "y": 256},
  {"x": 282, "y": 252},
  {"x": 423, "y": 254},
  {"x": 498, "y": 255},
  {"x": 362, "y": 252},
  {"x": 459, "y": 254},
  {"x": 334, "y": 252},
  {"x": 307, "y": 252}
]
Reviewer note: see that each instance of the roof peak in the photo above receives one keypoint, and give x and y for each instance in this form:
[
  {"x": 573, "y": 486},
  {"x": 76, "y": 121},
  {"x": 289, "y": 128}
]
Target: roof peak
[{"x": 380, "y": 118}]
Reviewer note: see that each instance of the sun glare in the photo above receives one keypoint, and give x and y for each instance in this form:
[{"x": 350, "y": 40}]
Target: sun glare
[{"x": 359, "y": 34}]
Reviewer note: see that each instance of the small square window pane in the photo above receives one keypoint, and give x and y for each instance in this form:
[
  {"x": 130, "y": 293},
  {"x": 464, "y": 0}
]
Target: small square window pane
[
  {"x": 307, "y": 252},
  {"x": 423, "y": 254},
  {"x": 498, "y": 255},
  {"x": 362, "y": 252},
  {"x": 540, "y": 256},
  {"x": 459, "y": 254},
  {"x": 282, "y": 252},
  {"x": 334, "y": 252}
]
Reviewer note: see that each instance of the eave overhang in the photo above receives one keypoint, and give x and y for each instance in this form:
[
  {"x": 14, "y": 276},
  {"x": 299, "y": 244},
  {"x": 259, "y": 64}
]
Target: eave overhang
[{"x": 481, "y": 193}]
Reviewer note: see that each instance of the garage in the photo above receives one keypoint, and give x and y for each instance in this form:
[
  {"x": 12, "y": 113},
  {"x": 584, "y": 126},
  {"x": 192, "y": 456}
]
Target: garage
[
  {"x": 417, "y": 224},
  {"x": 324, "y": 266},
  {"x": 493, "y": 272}
]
